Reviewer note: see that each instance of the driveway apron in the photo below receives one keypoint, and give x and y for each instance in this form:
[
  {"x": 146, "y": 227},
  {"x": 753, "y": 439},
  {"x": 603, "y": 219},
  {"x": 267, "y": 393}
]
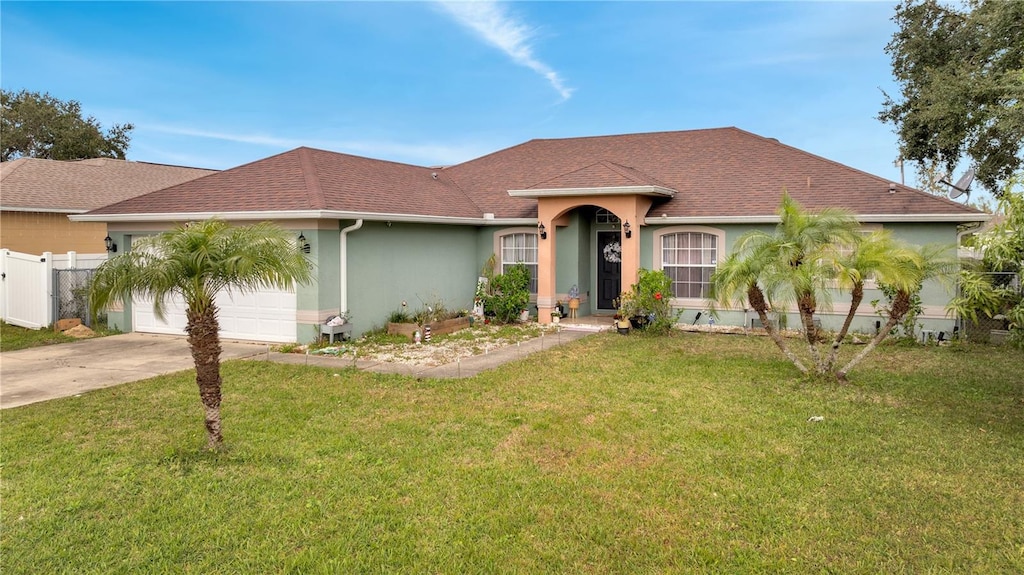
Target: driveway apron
[{"x": 48, "y": 372}]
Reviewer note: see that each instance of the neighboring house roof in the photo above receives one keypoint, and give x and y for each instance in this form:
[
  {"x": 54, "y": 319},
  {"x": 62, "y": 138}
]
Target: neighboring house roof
[
  {"x": 32, "y": 184},
  {"x": 723, "y": 173}
]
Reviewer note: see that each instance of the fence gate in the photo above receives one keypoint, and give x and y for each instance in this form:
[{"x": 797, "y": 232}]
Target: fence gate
[
  {"x": 25, "y": 289},
  {"x": 71, "y": 295}
]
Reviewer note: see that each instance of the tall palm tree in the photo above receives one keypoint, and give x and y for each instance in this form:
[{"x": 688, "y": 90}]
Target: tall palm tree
[{"x": 196, "y": 261}]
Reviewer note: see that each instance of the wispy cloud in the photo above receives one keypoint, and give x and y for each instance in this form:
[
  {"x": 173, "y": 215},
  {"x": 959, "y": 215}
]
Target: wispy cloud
[
  {"x": 421, "y": 154},
  {"x": 496, "y": 26}
]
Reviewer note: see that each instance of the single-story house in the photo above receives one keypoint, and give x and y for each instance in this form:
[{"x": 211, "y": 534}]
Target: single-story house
[
  {"x": 585, "y": 212},
  {"x": 37, "y": 195}
]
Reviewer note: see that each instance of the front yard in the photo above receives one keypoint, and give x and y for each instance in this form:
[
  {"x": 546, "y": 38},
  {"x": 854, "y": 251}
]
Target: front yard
[{"x": 691, "y": 453}]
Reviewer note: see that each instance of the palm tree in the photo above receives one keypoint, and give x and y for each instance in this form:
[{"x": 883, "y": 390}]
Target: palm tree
[
  {"x": 196, "y": 261},
  {"x": 796, "y": 262},
  {"x": 909, "y": 269},
  {"x": 876, "y": 255}
]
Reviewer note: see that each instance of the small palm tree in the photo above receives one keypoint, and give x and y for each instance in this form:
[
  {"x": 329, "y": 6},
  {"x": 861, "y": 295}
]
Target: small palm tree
[
  {"x": 811, "y": 256},
  {"x": 795, "y": 262},
  {"x": 195, "y": 262},
  {"x": 910, "y": 267}
]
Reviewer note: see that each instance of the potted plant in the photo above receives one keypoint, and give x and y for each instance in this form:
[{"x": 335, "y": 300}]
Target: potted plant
[{"x": 623, "y": 305}]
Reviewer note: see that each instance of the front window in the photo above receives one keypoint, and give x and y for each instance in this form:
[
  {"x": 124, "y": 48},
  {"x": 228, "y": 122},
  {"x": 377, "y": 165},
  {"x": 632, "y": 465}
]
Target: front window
[
  {"x": 520, "y": 248},
  {"x": 689, "y": 259}
]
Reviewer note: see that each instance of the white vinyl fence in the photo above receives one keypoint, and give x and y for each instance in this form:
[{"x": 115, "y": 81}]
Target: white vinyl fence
[{"x": 26, "y": 284}]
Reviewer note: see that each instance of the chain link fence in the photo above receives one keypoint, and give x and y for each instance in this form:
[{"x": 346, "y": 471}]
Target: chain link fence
[{"x": 71, "y": 295}]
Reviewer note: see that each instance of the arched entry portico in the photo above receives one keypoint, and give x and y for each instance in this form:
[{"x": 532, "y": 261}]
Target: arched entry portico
[{"x": 629, "y": 204}]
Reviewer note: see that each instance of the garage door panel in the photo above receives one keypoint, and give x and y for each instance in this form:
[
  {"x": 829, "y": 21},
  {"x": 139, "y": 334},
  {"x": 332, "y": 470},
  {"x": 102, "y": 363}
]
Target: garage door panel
[{"x": 262, "y": 316}]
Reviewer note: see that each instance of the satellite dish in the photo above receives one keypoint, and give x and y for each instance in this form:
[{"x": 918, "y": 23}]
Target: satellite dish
[{"x": 962, "y": 186}]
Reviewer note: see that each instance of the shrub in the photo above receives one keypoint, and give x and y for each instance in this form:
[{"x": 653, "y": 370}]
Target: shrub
[
  {"x": 647, "y": 302},
  {"x": 510, "y": 294}
]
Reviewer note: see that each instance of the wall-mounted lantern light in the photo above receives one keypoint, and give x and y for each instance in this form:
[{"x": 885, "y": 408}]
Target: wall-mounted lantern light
[
  {"x": 543, "y": 231},
  {"x": 303, "y": 244},
  {"x": 111, "y": 246},
  {"x": 625, "y": 228}
]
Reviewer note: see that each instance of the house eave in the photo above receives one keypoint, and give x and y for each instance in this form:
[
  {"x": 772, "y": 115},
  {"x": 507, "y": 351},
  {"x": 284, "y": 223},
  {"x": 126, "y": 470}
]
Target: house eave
[
  {"x": 656, "y": 191},
  {"x": 41, "y": 210},
  {"x": 483, "y": 220},
  {"x": 774, "y": 219}
]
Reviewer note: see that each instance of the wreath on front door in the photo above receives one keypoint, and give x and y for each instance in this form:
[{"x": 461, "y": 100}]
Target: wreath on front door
[{"x": 613, "y": 253}]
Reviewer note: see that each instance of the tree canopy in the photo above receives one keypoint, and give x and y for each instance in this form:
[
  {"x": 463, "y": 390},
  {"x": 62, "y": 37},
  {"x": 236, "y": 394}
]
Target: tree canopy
[
  {"x": 960, "y": 69},
  {"x": 38, "y": 125}
]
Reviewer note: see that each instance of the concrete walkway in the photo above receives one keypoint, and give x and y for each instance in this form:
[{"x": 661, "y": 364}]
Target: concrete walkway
[{"x": 47, "y": 372}]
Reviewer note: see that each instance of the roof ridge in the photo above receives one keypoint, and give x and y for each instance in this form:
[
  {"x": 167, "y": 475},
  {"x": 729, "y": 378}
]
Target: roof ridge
[
  {"x": 656, "y": 133},
  {"x": 12, "y": 166},
  {"x": 307, "y": 164},
  {"x": 635, "y": 171},
  {"x": 365, "y": 158},
  {"x": 885, "y": 181}
]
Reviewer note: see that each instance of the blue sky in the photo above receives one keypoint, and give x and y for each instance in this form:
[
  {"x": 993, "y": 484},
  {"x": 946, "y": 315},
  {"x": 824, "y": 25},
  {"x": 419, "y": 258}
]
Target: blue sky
[{"x": 431, "y": 83}]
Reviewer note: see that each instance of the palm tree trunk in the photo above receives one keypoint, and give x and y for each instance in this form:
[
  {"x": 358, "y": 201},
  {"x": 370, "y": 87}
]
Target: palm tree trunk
[
  {"x": 900, "y": 307},
  {"x": 203, "y": 337},
  {"x": 756, "y": 298},
  {"x": 856, "y": 296},
  {"x": 807, "y": 306}
]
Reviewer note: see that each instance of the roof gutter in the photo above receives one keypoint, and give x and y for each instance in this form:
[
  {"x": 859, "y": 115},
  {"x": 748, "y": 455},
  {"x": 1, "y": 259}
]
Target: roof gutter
[
  {"x": 344, "y": 264},
  {"x": 774, "y": 219},
  {"x": 607, "y": 191},
  {"x": 484, "y": 220}
]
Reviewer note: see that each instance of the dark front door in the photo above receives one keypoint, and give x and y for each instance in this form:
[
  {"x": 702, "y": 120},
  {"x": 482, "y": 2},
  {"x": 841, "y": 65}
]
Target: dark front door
[{"x": 609, "y": 269}]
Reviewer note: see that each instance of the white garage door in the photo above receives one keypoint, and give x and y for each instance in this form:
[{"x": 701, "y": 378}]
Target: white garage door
[{"x": 262, "y": 316}]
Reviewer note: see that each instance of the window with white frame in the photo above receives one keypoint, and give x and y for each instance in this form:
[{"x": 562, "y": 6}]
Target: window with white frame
[
  {"x": 520, "y": 248},
  {"x": 689, "y": 258}
]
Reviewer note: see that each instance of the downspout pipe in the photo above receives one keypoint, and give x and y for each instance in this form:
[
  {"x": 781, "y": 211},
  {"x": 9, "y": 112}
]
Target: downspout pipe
[{"x": 344, "y": 263}]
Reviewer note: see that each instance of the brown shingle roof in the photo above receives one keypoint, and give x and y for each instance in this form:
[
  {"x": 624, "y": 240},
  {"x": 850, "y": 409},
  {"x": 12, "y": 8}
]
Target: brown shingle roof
[
  {"x": 76, "y": 186},
  {"x": 723, "y": 172},
  {"x": 309, "y": 179},
  {"x": 716, "y": 172},
  {"x": 603, "y": 174}
]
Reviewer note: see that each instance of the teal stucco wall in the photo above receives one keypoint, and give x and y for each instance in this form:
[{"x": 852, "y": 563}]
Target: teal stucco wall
[{"x": 417, "y": 263}]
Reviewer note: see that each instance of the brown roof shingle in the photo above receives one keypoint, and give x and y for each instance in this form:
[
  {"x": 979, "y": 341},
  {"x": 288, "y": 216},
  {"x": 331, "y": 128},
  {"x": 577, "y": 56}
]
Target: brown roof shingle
[
  {"x": 309, "y": 179},
  {"x": 715, "y": 172},
  {"x": 722, "y": 172},
  {"x": 81, "y": 185}
]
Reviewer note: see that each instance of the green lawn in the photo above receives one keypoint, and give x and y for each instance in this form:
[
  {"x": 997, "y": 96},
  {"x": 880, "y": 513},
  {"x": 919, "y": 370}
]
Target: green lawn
[
  {"x": 610, "y": 455},
  {"x": 13, "y": 337}
]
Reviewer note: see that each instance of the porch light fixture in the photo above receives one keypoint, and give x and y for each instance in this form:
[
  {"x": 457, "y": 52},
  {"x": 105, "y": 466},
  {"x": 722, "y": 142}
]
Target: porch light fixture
[
  {"x": 303, "y": 244},
  {"x": 111, "y": 246},
  {"x": 625, "y": 228},
  {"x": 543, "y": 231}
]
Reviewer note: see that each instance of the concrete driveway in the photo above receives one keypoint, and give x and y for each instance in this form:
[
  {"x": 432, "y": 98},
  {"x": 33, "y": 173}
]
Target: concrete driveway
[{"x": 42, "y": 373}]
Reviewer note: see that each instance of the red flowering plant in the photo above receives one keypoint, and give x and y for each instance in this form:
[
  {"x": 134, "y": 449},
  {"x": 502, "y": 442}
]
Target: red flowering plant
[{"x": 647, "y": 303}]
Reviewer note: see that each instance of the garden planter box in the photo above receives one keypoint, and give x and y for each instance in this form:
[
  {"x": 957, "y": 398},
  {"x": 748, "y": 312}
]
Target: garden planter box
[
  {"x": 436, "y": 328},
  {"x": 406, "y": 329},
  {"x": 449, "y": 325}
]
